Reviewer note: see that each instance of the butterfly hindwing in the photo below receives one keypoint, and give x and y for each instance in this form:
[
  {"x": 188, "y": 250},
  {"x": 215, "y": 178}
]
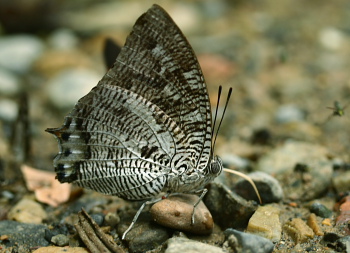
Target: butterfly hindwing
[{"x": 150, "y": 107}]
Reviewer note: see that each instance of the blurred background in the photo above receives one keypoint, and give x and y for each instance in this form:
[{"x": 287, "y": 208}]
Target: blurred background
[{"x": 286, "y": 62}]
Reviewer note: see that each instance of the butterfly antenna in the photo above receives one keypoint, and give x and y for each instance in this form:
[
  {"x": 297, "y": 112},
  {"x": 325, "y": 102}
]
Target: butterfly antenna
[
  {"x": 223, "y": 114},
  {"x": 216, "y": 110}
]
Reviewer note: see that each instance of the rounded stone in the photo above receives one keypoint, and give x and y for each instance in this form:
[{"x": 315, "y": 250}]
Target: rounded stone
[
  {"x": 269, "y": 188},
  {"x": 176, "y": 212},
  {"x": 60, "y": 240},
  {"x": 320, "y": 210}
]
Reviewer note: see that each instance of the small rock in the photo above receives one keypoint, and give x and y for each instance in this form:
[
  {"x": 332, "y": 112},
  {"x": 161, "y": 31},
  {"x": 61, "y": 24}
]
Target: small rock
[
  {"x": 228, "y": 209},
  {"x": 247, "y": 243},
  {"x": 344, "y": 212},
  {"x": 320, "y": 210},
  {"x": 31, "y": 235},
  {"x": 289, "y": 113},
  {"x": 54, "y": 249},
  {"x": 330, "y": 239},
  {"x": 145, "y": 234},
  {"x": 177, "y": 244},
  {"x": 231, "y": 160},
  {"x": 98, "y": 218},
  {"x": 341, "y": 182},
  {"x": 176, "y": 212},
  {"x": 27, "y": 211},
  {"x": 111, "y": 219},
  {"x": 265, "y": 222},
  {"x": 312, "y": 223},
  {"x": 65, "y": 89},
  {"x": 60, "y": 240},
  {"x": 269, "y": 188},
  {"x": 298, "y": 230},
  {"x": 8, "y": 110},
  {"x": 63, "y": 39},
  {"x": 331, "y": 38},
  {"x": 18, "y": 52},
  {"x": 343, "y": 244},
  {"x": 10, "y": 83}
]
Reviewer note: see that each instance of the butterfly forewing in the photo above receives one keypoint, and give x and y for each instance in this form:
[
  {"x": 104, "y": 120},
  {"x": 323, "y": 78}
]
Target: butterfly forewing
[{"x": 151, "y": 107}]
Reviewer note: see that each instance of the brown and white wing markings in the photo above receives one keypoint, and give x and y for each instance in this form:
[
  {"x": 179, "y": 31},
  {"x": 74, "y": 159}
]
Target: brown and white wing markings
[{"x": 151, "y": 105}]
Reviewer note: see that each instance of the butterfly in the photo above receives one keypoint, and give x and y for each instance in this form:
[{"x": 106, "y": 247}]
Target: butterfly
[{"x": 146, "y": 127}]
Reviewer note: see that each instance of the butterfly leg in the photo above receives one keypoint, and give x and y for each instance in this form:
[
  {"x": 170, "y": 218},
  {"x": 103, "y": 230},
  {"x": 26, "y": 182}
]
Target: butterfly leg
[
  {"x": 152, "y": 201},
  {"x": 203, "y": 192}
]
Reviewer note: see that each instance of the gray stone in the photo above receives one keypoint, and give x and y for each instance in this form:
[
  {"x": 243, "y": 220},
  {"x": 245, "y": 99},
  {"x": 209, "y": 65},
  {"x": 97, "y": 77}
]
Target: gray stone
[
  {"x": 247, "y": 243},
  {"x": 229, "y": 210},
  {"x": 289, "y": 113},
  {"x": 98, "y": 218},
  {"x": 18, "y": 52},
  {"x": 320, "y": 210},
  {"x": 145, "y": 234},
  {"x": 8, "y": 110},
  {"x": 63, "y": 39},
  {"x": 65, "y": 89},
  {"x": 31, "y": 235},
  {"x": 10, "y": 83},
  {"x": 269, "y": 188},
  {"x": 177, "y": 244}
]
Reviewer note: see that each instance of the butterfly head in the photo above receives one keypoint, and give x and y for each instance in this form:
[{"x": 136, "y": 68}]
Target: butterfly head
[{"x": 215, "y": 166}]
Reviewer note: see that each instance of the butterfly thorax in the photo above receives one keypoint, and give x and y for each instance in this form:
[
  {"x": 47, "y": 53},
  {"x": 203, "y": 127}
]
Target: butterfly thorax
[{"x": 193, "y": 179}]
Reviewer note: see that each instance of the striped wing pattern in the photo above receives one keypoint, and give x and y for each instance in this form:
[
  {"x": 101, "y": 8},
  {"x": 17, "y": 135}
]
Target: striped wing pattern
[{"x": 148, "y": 118}]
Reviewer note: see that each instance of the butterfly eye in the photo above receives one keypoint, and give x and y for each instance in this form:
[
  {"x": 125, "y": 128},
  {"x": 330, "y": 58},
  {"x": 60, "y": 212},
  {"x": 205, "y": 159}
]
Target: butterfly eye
[{"x": 215, "y": 167}]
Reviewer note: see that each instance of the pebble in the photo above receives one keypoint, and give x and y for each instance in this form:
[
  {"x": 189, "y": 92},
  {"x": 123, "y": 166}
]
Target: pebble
[
  {"x": 298, "y": 230},
  {"x": 343, "y": 244},
  {"x": 247, "y": 243},
  {"x": 341, "y": 181},
  {"x": 30, "y": 235},
  {"x": 331, "y": 38},
  {"x": 269, "y": 188},
  {"x": 18, "y": 52},
  {"x": 111, "y": 219},
  {"x": 265, "y": 222},
  {"x": 229, "y": 210},
  {"x": 313, "y": 224},
  {"x": 98, "y": 218},
  {"x": 63, "y": 39},
  {"x": 178, "y": 244},
  {"x": 176, "y": 211},
  {"x": 66, "y": 88},
  {"x": 344, "y": 212},
  {"x": 10, "y": 83},
  {"x": 8, "y": 110},
  {"x": 320, "y": 210},
  {"x": 145, "y": 234},
  {"x": 289, "y": 113},
  {"x": 231, "y": 160},
  {"x": 60, "y": 240},
  {"x": 306, "y": 185},
  {"x": 54, "y": 249},
  {"x": 27, "y": 211}
]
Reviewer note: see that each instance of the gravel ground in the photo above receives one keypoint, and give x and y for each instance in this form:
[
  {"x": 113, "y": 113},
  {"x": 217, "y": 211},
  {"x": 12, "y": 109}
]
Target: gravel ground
[{"x": 287, "y": 64}]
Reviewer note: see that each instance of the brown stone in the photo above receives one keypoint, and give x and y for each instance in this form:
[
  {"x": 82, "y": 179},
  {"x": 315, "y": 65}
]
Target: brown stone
[
  {"x": 312, "y": 222},
  {"x": 176, "y": 212},
  {"x": 298, "y": 230}
]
